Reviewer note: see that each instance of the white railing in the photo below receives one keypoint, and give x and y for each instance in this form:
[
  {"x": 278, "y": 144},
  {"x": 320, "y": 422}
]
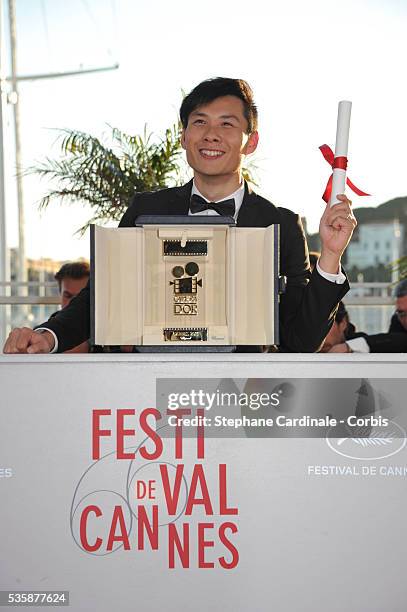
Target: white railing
[
  {"x": 26, "y": 304},
  {"x": 29, "y": 299},
  {"x": 370, "y": 305},
  {"x": 359, "y": 294},
  {"x": 370, "y": 294}
]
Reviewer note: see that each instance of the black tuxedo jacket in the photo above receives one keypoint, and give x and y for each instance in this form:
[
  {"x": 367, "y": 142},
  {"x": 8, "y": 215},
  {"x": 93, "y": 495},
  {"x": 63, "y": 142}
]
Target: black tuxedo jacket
[
  {"x": 394, "y": 341},
  {"x": 307, "y": 308}
]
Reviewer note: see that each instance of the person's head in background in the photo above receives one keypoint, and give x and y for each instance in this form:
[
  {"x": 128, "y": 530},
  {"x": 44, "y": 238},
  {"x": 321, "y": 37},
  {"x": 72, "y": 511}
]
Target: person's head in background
[
  {"x": 72, "y": 277},
  {"x": 338, "y": 332},
  {"x": 313, "y": 258},
  {"x": 400, "y": 294}
]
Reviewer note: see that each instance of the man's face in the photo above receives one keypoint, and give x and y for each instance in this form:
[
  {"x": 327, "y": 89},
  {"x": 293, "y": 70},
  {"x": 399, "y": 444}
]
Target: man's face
[
  {"x": 70, "y": 287},
  {"x": 215, "y": 138},
  {"x": 336, "y": 336},
  {"x": 401, "y": 307}
]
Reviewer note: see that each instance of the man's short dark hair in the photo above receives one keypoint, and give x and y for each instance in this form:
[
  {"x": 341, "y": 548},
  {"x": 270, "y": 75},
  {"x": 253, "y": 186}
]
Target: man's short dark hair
[
  {"x": 72, "y": 269},
  {"x": 401, "y": 289},
  {"x": 211, "y": 89}
]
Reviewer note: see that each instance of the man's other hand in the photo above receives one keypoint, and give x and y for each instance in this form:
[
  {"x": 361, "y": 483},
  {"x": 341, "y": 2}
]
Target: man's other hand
[
  {"x": 340, "y": 348},
  {"x": 26, "y": 340},
  {"x": 335, "y": 230}
]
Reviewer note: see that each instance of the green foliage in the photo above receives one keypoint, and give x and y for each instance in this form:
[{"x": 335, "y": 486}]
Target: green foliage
[
  {"x": 400, "y": 265},
  {"x": 107, "y": 177}
]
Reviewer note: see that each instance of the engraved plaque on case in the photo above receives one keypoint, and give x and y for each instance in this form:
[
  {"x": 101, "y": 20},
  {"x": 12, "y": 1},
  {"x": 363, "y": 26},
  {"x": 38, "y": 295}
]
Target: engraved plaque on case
[
  {"x": 185, "y": 299},
  {"x": 185, "y": 296},
  {"x": 185, "y": 309}
]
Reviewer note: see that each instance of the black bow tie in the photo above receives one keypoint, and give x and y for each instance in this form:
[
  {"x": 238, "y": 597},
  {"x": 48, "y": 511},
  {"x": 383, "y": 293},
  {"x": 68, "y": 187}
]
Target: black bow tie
[{"x": 225, "y": 208}]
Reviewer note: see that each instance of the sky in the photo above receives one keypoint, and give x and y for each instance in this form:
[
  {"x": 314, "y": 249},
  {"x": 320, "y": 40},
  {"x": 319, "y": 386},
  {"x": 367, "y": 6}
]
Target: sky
[{"x": 300, "y": 59}]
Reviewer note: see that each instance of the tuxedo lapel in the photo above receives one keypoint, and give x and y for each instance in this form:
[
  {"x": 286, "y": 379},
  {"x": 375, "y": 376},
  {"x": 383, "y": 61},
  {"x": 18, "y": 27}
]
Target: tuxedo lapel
[
  {"x": 246, "y": 216},
  {"x": 178, "y": 202},
  {"x": 256, "y": 211}
]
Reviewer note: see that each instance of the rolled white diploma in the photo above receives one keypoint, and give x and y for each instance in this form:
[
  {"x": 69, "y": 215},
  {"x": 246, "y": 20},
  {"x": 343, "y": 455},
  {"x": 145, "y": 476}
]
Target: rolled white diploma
[{"x": 341, "y": 149}]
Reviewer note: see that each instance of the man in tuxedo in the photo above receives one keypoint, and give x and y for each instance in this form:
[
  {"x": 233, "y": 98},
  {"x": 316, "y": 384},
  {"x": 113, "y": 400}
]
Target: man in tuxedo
[
  {"x": 219, "y": 120},
  {"x": 72, "y": 277},
  {"x": 394, "y": 341}
]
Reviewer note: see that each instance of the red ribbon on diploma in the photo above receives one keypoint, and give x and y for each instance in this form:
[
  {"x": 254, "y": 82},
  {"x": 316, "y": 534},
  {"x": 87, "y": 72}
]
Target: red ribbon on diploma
[{"x": 337, "y": 162}]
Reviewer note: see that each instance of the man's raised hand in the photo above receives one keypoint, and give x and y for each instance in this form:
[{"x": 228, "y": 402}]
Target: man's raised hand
[{"x": 335, "y": 230}]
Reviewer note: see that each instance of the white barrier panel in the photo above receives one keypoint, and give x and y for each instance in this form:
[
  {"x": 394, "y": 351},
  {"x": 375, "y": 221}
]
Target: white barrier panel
[{"x": 282, "y": 523}]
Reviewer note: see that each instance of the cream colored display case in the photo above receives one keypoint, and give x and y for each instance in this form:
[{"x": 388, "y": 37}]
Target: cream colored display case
[{"x": 184, "y": 285}]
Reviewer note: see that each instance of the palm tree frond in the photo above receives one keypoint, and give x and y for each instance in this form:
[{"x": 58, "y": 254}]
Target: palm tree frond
[{"x": 106, "y": 177}]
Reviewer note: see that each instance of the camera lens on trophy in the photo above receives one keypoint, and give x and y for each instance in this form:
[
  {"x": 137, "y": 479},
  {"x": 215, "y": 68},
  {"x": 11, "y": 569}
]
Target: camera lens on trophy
[
  {"x": 178, "y": 271},
  {"x": 192, "y": 268}
]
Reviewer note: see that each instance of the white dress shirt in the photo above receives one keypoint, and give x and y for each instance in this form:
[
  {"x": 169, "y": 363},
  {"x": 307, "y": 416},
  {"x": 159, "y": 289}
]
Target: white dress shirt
[
  {"x": 41, "y": 330},
  {"x": 358, "y": 345}
]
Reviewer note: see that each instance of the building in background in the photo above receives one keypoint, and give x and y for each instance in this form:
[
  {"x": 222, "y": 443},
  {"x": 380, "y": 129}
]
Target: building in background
[
  {"x": 40, "y": 271},
  {"x": 379, "y": 240},
  {"x": 374, "y": 243}
]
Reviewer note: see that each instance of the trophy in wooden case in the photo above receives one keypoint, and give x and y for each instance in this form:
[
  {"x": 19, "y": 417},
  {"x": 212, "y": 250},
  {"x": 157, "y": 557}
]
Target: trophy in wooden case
[{"x": 185, "y": 283}]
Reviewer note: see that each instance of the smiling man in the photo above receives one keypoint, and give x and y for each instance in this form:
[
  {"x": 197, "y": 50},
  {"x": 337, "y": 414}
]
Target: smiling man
[
  {"x": 216, "y": 137},
  {"x": 219, "y": 120}
]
